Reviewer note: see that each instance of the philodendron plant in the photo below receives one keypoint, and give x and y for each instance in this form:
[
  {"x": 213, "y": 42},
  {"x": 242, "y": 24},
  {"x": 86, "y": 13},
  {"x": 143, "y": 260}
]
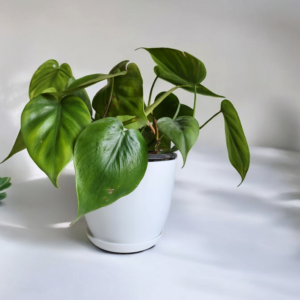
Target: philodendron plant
[{"x": 110, "y": 147}]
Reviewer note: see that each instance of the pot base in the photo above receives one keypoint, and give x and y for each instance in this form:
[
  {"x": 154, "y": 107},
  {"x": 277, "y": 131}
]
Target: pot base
[{"x": 122, "y": 248}]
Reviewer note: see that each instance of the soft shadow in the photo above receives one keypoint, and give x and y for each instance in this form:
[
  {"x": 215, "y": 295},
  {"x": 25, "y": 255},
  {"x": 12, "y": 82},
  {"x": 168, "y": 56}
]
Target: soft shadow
[{"x": 36, "y": 212}]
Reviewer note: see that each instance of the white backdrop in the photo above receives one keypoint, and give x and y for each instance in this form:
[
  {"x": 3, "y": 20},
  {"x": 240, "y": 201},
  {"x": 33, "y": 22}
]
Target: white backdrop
[{"x": 250, "y": 48}]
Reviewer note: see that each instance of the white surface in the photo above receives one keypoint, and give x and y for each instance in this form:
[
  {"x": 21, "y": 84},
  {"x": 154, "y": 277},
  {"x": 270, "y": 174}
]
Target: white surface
[
  {"x": 220, "y": 242},
  {"x": 139, "y": 216},
  {"x": 250, "y": 49}
]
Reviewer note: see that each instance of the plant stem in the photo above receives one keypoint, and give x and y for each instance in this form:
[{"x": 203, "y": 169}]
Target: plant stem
[
  {"x": 177, "y": 111},
  {"x": 210, "y": 119},
  {"x": 135, "y": 119},
  {"x": 150, "y": 95},
  {"x": 110, "y": 97},
  {"x": 151, "y": 127},
  {"x": 195, "y": 101}
]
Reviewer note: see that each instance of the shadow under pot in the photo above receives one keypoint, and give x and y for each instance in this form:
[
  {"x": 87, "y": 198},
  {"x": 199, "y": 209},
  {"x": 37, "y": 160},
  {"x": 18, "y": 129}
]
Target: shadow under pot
[{"x": 135, "y": 222}]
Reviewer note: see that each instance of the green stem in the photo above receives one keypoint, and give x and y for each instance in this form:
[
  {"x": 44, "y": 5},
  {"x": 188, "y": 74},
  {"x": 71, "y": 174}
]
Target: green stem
[
  {"x": 210, "y": 119},
  {"x": 131, "y": 121},
  {"x": 150, "y": 95},
  {"x": 195, "y": 101},
  {"x": 110, "y": 97}
]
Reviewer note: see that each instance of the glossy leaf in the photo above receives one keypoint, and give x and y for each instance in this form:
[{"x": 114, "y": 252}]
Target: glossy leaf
[
  {"x": 237, "y": 146},
  {"x": 109, "y": 163},
  {"x": 169, "y": 106},
  {"x": 4, "y": 184},
  {"x": 84, "y": 82},
  {"x": 82, "y": 94},
  {"x": 183, "y": 132},
  {"x": 202, "y": 90},
  {"x": 177, "y": 66},
  {"x": 18, "y": 146},
  {"x": 48, "y": 75},
  {"x": 49, "y": 129},
  {"x": 127, "y": 94}
]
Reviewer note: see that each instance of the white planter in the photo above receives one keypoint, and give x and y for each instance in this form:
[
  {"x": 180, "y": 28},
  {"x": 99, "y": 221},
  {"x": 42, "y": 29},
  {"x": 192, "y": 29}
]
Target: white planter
[{"x": 135, "y": 222}]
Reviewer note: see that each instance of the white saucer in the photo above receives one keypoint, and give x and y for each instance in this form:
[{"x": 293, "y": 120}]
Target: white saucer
[{"x": 122, "y": 248}]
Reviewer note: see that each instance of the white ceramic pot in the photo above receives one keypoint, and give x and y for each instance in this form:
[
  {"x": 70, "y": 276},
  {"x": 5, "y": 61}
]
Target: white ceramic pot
[{"x": 135, "y": 222}]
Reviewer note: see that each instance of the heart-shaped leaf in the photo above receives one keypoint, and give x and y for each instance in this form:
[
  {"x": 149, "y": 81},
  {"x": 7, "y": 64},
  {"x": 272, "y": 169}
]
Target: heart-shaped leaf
[
  {"x": 4, "y": 184},
  {"x": 49, "y": 74},
  {"x": 237, "y": 146},
  {"x": 84, "y": 82},
  {"x": 127, "y": 94},
  {"x": 183, "y": 132},
  {"x": 169, "y": 106},
  {"x": 109, "y": 163},
  {"x": 179, "y": 66},
  {"x": 18, "y": 146},
  {"x": 82, "y": 94},
  {"x": 49, "y": 129}
]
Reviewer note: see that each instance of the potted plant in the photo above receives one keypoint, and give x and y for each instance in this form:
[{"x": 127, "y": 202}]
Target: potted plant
[{"x": 127, "y": 149}]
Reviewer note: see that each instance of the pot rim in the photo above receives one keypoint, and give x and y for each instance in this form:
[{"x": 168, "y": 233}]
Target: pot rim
[{"x": 161, "y": 157}]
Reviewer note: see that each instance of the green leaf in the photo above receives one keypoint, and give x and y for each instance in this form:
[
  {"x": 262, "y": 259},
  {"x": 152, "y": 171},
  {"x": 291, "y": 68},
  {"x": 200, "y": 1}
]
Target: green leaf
[
  {"x": 202, "y": 90},
  {"x": 183, "y": 132},
  {"x": 49, "y": 129},
  {"x": 165, "y": 143},
  {"x": 127, "y": 94},
  {"x": 109, "y": 164},
  {"x": 4, "y": 184},
  {"x": 17, "y": 147},
  {"x": 48, "y": 75},
  {"x": 136, "y": 125},
  {"x": 237, "y": 146},
  {"x": 168, "y": 107},
  {"x": 82, "y": 94},
  {"x": 84, "y": 82},
  {"x": 177, "y": 66}
]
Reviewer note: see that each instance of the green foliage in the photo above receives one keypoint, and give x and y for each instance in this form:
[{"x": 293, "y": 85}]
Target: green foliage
[
  {"x": 50, "y": 128},
  {"x": 183, "y": 132},
  {"x": 111, "y": 153},
  {"x": 238, "y": 150},
  {"x": 18, "y": 146},
  {"x": 4, "y": 184},
  {"x": 180, "y": 68},
  {"x": 49, "y": 75},
  {"x": 122, "y": 96},
  {"x": 109, "y": 163}
]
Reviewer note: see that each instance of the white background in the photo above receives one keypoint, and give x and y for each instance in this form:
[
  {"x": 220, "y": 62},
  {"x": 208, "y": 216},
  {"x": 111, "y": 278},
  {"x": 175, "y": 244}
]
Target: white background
[{"x": 250, "y": 49}]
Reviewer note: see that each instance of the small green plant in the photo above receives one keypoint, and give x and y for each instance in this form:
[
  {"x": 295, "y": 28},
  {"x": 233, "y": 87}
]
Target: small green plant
[
  {"x": 4, "y": 184},
  {"x": 110, "y": 148}
]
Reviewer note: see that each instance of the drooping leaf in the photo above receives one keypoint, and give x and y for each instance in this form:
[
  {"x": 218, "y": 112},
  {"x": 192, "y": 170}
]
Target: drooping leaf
[
  {"x": 49, "y": 74},
  {"x": 183, "y": 132},
  {"x": 82, "y": 94},
  {"x": 169, "y": 106},
  {"x": 127, "y": 94},
  {"x": 178, "y": 66},
  {"x": 84, "y": 82},
  {"x": 109, "y": 163},
  {"x": 165, "y": 143},
  {"x": 4, "y": 184},
  {"x": 18, "y": 146},
  {"x": 161, "y": 73},
  {"x": 237, "y": 146},
  {"x": 49, "y": 129}
]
